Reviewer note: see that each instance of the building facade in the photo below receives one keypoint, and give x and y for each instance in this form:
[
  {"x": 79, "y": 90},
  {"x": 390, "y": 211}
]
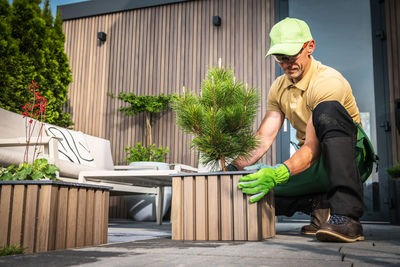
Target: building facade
[
  {"x": 161, "y": 46},
  {"x": 162, "y": 49}
]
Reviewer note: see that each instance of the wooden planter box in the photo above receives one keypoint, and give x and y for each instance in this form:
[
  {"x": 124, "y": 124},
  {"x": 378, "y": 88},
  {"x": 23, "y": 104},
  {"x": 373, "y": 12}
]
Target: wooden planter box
[
  {"x": 48, "y": 215},
  {"x": 209, "y": 206}
]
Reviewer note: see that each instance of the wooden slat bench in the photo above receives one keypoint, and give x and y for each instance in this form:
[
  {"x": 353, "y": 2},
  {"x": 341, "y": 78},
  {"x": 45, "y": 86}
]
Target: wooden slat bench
[{"x": 49, "y": 215}]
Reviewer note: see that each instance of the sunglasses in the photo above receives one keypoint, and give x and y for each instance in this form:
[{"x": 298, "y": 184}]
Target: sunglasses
[{"x": 289, "y": 59}]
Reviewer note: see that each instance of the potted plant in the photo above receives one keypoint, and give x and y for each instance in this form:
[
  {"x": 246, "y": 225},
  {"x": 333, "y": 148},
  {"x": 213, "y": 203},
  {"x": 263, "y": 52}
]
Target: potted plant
[
  {"x": 209, "y": 206},
  {"x": 146, "y": 156},
  {"x": 142, "y": 207},
  {"x": 221, "y": 118},
  {"x": 38, "y": 212},
  {"x": 150, "y": 105}
]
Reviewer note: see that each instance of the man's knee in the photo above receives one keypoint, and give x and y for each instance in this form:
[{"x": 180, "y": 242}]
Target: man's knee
[{"x": 330, "y": 119}]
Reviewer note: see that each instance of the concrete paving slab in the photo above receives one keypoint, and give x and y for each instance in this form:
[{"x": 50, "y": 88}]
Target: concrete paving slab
[
  {"x": 288, "y": 248},
  {"x": 127, "y": 230}
]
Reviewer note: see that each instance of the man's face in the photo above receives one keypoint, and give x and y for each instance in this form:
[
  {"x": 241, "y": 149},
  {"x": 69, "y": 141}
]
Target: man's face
[{"x": 296, "y": 67}]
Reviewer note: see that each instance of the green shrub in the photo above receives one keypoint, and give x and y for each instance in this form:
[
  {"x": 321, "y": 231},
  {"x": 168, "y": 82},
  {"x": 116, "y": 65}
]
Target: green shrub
[
  {"x": 149, "y": 153},
  {"x": 40, "y": 169},
  {"x": 394, "y": 171},
  {"x": 11, "y": 250}
]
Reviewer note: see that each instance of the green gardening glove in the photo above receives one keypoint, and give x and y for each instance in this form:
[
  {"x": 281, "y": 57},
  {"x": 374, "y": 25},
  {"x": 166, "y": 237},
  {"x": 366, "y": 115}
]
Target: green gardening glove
[{"x": 261, "y": 182}]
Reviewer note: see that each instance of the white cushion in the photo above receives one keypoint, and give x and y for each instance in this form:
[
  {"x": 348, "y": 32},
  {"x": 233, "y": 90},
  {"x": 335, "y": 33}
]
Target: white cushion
[{"x": 73, "y": 147}]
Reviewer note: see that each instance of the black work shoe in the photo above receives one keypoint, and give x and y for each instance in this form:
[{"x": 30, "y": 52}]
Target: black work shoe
[
  {"x": 340, "y": 228},
  {"x": 318, "y": 217}
]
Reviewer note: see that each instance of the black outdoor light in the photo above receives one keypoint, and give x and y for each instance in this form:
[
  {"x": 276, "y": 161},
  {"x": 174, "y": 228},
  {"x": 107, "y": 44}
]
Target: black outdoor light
[
  {"x": 216, "y": 21},
  {"x": 102, "y": 36}
]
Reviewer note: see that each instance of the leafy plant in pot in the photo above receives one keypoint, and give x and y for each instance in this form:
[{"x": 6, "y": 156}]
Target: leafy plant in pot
[
  {"x": 150, "y": 105},
  {"x": 221, "y": 118},
  {"x": 150, "y": 155}
]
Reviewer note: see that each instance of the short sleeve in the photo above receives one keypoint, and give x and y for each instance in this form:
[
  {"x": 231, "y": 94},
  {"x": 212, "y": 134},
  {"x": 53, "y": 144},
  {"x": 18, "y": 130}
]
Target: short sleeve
[
  {"x": 272, "y": 100},
  {"x": 327, "y": 89}
]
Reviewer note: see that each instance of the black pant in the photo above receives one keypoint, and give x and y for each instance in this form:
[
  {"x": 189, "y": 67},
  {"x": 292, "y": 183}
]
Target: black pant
[{"x": 337, "y": 135}]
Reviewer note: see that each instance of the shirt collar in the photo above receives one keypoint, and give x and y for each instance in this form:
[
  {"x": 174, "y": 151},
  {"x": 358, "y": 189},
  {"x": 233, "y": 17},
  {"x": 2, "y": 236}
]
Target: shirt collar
[{"x": 304, "y": 82}]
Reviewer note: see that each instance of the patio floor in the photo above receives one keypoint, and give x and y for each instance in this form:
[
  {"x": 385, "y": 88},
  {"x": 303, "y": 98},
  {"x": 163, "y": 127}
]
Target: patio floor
[{"x": 148, "y": 244}]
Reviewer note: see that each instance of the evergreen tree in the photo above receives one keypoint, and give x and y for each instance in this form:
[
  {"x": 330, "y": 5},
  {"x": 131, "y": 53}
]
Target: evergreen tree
[
  {"x": 57, "y": 74},
  {"x": 64, "y": 75},
  {"x": 10, "y": 69},
  {"x": 221, "y": 118},
  {"x": 41, "y": 57}
]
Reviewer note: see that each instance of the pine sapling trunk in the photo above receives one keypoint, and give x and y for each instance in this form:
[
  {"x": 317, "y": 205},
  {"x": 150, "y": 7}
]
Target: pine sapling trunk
[{"x": 223, "y": 166}]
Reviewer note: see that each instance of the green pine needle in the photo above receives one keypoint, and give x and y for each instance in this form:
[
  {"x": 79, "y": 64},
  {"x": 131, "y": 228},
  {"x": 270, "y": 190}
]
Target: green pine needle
[{"x": 221, "y": 118}]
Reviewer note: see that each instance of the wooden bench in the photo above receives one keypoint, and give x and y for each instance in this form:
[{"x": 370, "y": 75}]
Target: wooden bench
[{"x": 49, "y": 215}]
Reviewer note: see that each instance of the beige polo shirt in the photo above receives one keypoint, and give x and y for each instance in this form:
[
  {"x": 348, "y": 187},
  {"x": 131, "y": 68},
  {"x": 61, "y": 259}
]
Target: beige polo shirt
[{"x": 298, "y": 100}]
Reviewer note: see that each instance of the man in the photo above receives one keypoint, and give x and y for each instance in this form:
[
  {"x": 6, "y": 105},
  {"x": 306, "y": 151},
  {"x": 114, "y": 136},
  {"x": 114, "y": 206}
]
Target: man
[{"x": 324, "y": 177}]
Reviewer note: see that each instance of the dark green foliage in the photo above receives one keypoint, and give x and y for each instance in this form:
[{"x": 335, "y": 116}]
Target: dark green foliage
[
  {"x": 149, "y": 153},
  {"x": 11, "y": 250},
  {"x": 10, "y": 69},
  {"x": 221, "y": 118},
  {"x": 143, "y": 103},
  {"x": 32, "y": 48},
  {"x": 40, "y": 169},
  {"x": 394, "y": 171}
]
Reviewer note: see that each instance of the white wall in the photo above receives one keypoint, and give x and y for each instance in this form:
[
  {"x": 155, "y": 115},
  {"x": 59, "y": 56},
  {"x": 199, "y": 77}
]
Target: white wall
[{"x": 342, "y": 31}]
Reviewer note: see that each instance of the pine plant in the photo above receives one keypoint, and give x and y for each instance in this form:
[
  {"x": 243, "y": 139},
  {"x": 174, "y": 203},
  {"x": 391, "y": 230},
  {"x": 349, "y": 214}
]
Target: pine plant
[{"x": 221, "y": 118}]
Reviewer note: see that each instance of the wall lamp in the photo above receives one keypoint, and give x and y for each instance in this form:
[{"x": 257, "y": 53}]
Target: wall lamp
[
  {"x": 216, "y": 20},
  {"x": 102, "y": 36}
]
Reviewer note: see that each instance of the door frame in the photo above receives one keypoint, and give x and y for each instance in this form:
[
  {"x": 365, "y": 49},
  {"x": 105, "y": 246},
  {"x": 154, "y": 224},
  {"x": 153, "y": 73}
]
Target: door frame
[{"x": 382, "y": 108}]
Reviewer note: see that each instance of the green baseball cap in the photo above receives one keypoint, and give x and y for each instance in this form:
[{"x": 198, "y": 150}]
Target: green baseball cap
[{"x": 288, "y": 36}]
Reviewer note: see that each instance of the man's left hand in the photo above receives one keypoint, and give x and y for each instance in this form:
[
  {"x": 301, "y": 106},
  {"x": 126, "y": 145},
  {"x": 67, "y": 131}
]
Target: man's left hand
[{"x": 261, "y": 182}]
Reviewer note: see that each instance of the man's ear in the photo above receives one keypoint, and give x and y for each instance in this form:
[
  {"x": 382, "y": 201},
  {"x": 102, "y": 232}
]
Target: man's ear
[{"x": 310, "y": 47}]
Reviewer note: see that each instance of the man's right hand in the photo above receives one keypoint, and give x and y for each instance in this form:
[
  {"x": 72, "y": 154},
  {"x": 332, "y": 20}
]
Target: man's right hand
[
  {"x": 258, "y": 184},
  {"x": 256, "y": 167}
]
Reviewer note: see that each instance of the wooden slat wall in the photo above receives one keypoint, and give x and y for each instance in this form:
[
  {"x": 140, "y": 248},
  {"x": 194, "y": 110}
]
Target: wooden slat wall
[
  {"x": 160, "y": 50},
  {"x": 393, "y": 41}
]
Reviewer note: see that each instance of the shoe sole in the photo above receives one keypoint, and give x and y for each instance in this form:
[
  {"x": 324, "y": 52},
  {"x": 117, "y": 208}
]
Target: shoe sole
[
  {"x": 329, "y": 236},
  {"x": 308, "y": 233},
  {"x": 313, "y": 232}
]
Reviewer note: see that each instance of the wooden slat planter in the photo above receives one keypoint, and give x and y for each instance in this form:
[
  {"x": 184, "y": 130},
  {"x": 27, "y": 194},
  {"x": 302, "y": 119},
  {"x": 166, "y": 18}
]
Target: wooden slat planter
[
  {"x": 49, "y": 215},
  {"x": 209, "y": 206}
]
